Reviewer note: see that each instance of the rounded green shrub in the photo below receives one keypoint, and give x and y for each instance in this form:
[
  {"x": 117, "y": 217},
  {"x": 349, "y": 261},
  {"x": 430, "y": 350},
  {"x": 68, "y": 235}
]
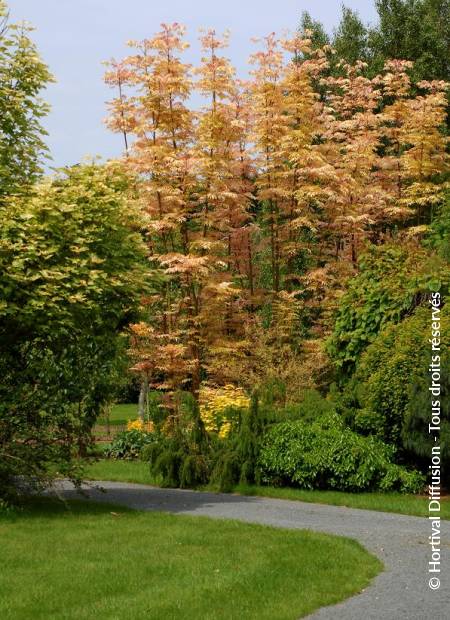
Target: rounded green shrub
[{"x": 329, "y": 456}]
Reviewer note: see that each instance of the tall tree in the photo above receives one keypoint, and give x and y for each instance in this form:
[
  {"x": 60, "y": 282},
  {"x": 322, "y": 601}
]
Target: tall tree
[
  {"x": 269, "y": 130},
  {"x": 223, "y": 164},
  {"x": 350, "y": 38},
  {"x": 414, "y": 153},
  {"x": 23, "y": 76},
  {"x": 161, "y": 155},
  {"x": 415, "y": 30},
  {"x": 313, "y": 30}
]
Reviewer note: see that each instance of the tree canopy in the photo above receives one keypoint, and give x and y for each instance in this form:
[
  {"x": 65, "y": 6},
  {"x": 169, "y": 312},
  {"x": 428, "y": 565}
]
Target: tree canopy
[
  {"x": 23, "y": 75},
  {"x": 71, "y": 275}
]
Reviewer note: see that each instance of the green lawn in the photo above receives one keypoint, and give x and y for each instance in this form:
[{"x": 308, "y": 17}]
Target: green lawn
[
  {"x": 120, "y": 414},
  {"x": 105, "y": 562},
  {"x": 136, "y": 471},
  {"x": 120, "y": 471},
  {"x": 413, "y": 505}
]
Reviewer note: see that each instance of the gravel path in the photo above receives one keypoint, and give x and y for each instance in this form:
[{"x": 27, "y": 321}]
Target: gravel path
[{"x": 400, "y": 592}]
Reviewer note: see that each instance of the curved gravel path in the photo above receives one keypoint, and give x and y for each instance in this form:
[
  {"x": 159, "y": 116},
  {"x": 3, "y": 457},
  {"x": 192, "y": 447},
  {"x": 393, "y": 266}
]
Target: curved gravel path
[{"x": 401, "y": 542}]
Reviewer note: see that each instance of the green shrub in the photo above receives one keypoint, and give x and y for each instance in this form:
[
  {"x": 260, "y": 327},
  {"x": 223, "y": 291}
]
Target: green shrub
[
  {"x": 397, "y": 478},
  {"x": 272, "y": 392},
  {"x": 392, "y": 379},
  {"x": 312, "y": 406},
  {"x": 414, "y": 435},
  {"x": 236, "y": 460},
  {"x": 128, "y": 445},
  {"x": 72, "y": 272},
  {"x": 391, "y": 283},
  {"x": 438, "y": 237},
  {"x": 183, "y": 458},
  {"x": 328, "y": 456}
]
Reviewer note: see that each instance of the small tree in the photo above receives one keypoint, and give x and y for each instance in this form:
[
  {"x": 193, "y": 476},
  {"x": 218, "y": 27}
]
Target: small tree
[{"x": 70, "y": 280}]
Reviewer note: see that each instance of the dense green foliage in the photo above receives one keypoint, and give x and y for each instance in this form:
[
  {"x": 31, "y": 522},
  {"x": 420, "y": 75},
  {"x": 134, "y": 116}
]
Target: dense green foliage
[
  {"x": 128, "y": 445},
  {"x": 70, "y": 278},
  {"x": 325, "y": 455},
  {"x": 392, "y": 281},
  {"x": 182, "y": 457},
  {"x": 314, "y": 449},
  {"x": 23, "y": 76},
  {"x": 236, "y": 461},
  {"x": 350, "y": 39},
  {"x": 439, "y": 234},
  {"x": 388, "y": 395},
  {"x": 415, "y": 439},
  {"x": 416, "y": 30}
]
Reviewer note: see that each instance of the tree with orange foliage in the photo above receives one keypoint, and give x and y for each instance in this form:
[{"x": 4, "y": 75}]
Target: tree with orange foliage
[
  {"x": 259, "y": 204},
  {"x": 269, "y": 130}
]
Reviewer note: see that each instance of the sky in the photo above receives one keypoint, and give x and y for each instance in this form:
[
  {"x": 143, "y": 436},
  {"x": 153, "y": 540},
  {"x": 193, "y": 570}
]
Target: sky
[{"x": 75, "y": 36}]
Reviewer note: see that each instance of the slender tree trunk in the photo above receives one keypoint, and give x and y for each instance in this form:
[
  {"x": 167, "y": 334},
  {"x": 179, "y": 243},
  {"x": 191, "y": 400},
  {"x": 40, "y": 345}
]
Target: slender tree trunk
[
  {"x": 250, "y": 264},
  {"x": 354, "y": 254},
  {"x": 143, "y": 397}
]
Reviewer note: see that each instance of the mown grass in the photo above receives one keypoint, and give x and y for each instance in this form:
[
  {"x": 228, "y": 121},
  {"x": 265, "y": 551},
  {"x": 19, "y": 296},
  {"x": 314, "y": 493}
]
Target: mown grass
[
  {"x": 121, "y": 471},
  {"x": 99, "y": 561},
  {"x": 414, "y": 505},
  {"x": 120, "y": 414}
]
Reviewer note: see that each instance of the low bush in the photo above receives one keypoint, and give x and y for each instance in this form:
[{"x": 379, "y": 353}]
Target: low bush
[
  {"x": 128, "y": 445},
  {"x": 326, "y": 455}
]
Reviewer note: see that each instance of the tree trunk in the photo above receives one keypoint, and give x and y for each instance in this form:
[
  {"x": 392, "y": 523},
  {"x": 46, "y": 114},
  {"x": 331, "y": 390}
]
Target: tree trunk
[{"x": 143, "y": 397}]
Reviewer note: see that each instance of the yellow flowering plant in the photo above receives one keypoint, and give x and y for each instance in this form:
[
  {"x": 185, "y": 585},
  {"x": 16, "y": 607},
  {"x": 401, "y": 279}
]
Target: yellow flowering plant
[
  {"x": 220, "y": 406},
  {"x": 139, "y": 425}
]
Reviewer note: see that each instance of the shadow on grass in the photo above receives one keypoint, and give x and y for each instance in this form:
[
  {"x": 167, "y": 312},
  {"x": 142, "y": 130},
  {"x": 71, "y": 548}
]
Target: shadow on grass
[{"x": 52, "y": 506}]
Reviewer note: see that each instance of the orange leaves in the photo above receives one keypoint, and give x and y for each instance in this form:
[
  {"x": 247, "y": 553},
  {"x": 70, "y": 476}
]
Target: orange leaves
[
  {"x": 396, "y": 81},
  {"x": 261, "y": 201},
  {"x": 193, "y": 266},
  {"x": 216, "y": 74}
]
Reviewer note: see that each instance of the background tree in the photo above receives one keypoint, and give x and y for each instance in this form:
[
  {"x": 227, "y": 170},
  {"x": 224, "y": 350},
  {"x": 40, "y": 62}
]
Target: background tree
[
  {"x": 23, "y": 76},
  {"x": 350, "y": 38},
  {"x": 312, "y": 29},
  {"x": 416, "y": 30},
  {"x": 269, "y": 130}
]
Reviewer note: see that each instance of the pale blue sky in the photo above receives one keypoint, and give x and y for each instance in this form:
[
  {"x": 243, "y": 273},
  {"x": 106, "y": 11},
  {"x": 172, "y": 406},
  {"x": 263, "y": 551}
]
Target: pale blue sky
[{"x": 75, "y": 36}]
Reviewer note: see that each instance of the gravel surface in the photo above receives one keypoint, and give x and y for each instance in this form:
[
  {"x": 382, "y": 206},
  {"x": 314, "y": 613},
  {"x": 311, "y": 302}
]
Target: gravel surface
[{"x": 401, "y": 542}]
